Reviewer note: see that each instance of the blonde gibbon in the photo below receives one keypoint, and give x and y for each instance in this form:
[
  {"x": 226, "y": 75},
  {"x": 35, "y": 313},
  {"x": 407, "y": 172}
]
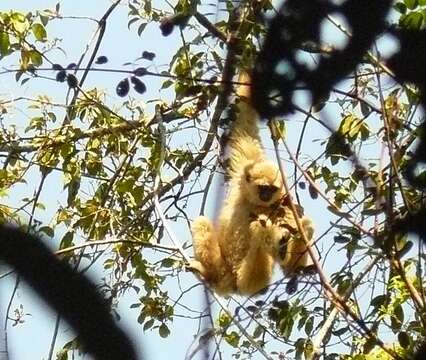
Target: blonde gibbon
[{"x": 237, "y": 254}]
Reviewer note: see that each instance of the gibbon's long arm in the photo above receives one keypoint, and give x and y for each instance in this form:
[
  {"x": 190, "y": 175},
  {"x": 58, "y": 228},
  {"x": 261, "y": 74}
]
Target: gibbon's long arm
[
  {"x": 68, "y": 292},
  {"x": 244, "y": 143}
]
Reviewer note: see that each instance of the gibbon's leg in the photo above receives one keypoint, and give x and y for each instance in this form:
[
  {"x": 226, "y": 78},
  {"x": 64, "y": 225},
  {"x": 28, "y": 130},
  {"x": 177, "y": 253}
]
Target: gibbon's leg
[
  {"x": 309, "y": 231},
  {"x": 255, "y": 270},
  {"x": 207, "y": 252},
  {"x": 294, "y": 252},
  {"x": 304, "y": 258},
  {"x": 308, "y": 227}
]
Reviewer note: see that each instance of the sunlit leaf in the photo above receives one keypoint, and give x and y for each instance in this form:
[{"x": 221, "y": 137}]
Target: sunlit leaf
[{"x": 39, "y": 32}]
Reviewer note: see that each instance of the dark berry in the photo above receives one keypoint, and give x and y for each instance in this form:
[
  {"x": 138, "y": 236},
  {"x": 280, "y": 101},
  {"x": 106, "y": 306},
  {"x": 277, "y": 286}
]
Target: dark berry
[
  {"x": 141, "y": 71},
  {"x": 148, "y": 55},
  {"x": 61, "y": 76},
  {"x": 291, "y": 287},
  {"x": 138, "y": 85},
  {"x": 57, "y": 67},
  {"x": 101, "y": 60},
  {"x": 166, "y": 26},
  {"x": 71, "y": 66},
  {"x": 123, "y": 87},
  {"x": 313, "y": 192},
  {"x": 72, "y": 81}
]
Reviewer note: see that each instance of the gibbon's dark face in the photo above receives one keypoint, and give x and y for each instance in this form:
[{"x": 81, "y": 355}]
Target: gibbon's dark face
[
  {"x": 262, "y": 184},
  {"x": 266, "y": 192}
]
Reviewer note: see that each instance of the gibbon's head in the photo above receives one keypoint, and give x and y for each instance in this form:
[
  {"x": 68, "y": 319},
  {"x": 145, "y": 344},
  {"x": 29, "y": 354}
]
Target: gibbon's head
[{"x": 262, "y": 183}]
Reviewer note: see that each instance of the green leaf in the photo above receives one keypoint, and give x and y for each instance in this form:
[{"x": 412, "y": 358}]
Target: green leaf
[
  {"x": 131, "y": 21},
  {"x": 62, "y": 355},
  {"x": 400, "y": 7},
  {"x": 300, "y": 347},
  {"x": 108, "y": 264},
  {"x": 39, "y": 32},
  {"x": 278, "y": 129},
  {"x": 4, "y": 44},
  {"x": 404, "y": 250},
  {"x": 411, "y": 4},
  {"x": 341, "y": 331},
  {"x": 224, "y": 320},
  {"x": 168, "y": 262},
  {"x": 342, "y": 239},
  {"x": 309, "y": 348},
  {"x": 404, "y": 339},
  {"x": 19, "y": 22},
  {"x": 67, "y": 240},
  {"x": 44, "y": 19},
  {"x": 141, "y": 28},
  {"x": 352, "y": 126},
  {"x": 73, "y": 188},
  {"x": 309, "y": 326},
  {"x": 365, "y": 109},
  {"x": 286, "y": 326},
  {"x": 167, "y": 84},
  {"x": 147, "y": 7},
  {"x": 258, "y": 331},
  {"x": 337, "y": 145},
  {"x": 232, "y": 339},
  {"x": 379, "y": 301},
  {"x": 148, "y": 324},
  {"x": 412, "y": 21},
  {"x": 398, "y": 319},
  {"x": 164, "y": 331},
  {"x": 369, "y": 345},
  {"x": 35, "y": 57},
  {"x": 47, "y": 230}
]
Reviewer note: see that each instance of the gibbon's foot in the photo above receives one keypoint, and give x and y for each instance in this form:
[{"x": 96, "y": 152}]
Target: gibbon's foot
[
  {"x": 264, "y": 220},
  {"x": 201, "y": 226},
  {"x": 260, "y": 230},
  {"x": 266, "y": 233},
  {"x": 260, "y": 224}
]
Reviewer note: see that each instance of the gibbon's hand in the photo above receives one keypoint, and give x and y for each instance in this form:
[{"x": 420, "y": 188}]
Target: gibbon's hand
[
  {"x": 68, "y": 292},
  {"x": 264, "y": 232},
  {"x": 260, "y": 227}
]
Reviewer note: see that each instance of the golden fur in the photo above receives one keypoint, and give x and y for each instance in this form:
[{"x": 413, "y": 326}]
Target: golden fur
[
  {"x": 237, "y": 255},
  {"x": 290, "y": 252}
]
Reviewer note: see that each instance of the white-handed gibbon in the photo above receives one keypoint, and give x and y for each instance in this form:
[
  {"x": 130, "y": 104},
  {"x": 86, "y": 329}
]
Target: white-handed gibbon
[{"x": 237, "y": 254}]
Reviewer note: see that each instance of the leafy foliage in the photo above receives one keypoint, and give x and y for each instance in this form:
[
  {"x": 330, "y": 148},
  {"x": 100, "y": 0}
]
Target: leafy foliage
[{"x": 111, "y": 150}]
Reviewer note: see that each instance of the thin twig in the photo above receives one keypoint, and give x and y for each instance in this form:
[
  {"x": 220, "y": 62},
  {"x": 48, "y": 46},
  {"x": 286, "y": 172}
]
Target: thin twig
[{"x": 325, "y": 328}]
